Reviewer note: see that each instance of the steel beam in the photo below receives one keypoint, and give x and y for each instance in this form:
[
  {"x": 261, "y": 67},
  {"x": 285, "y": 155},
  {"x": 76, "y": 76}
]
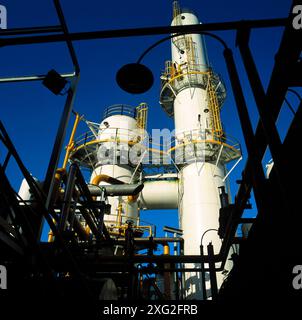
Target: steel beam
[
  {"x": 67, "y": 38},
  {"x": 266, "y": 119},
  {"x": 56, "y": 151},
  {"x": 31, "y": 30},
  {"x": 133, "y": 32},
  {"x": 258, "y": 177},
  {"x": 66, "y": 207},
  {"x": 213, "y": 279}
]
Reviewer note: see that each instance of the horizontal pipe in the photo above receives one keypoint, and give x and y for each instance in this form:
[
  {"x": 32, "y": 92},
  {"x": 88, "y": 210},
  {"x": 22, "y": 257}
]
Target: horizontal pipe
[
  {"x": 159, "y": 194},
  {"x": 216, "y": 26},
  {"x": 153, "y": 240},
  {"x": 161, "y": 176},
  {"x": 32, "y": 30},
  {"x": 111, "y": 270},
  {"x": 32, "y": 78},
  {"x": 159, "y": 270},
  {"x": 156, "y": 259},
  {"x": 116, "y": 190},
  {"x": 121, "y": 241},
  {"x": 113, "y": 181}
]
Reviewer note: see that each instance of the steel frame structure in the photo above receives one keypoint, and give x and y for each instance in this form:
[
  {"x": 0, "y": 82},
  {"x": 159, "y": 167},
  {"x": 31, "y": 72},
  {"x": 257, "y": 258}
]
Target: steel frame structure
[{"x": 274, "y": 196}]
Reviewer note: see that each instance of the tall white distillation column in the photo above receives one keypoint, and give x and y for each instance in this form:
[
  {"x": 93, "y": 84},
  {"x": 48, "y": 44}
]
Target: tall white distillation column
[
  {"x": 111, "y": 150},
  {"x": 193, "y": 95}
]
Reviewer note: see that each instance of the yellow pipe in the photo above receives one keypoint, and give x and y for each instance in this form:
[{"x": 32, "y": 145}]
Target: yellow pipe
[
  {"x": 87, "y": 229},
  {"x": 119, "y": 216},
  {"x": 133, "y": 198},
  {"x": 167, "y": 275},
  {"x": 71, "y": 140},
  {"x": 105, "y": 178},
  {"x": 56, "y": 189},
  {"x": 50, "y": 233},
  {"x": 166, "y": 249},
  {"x": 50, "y": 236},
  {"x": 59, "y": 173}
]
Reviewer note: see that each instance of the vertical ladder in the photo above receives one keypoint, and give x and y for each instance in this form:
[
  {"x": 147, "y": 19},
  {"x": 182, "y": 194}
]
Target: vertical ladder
[
  {"x": 141, "y": 116},
  {"x": 214, "y": 109},
  {"x": 179, "y": 42},
  {"x": 192, "y": 57},
  {"x": 176, "y": 11}
]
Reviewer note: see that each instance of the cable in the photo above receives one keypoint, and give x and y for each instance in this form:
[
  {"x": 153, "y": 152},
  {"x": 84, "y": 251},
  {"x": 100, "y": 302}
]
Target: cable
[
  {"x": 295, "y": 93},
  {"x": 290, "y": 107},
  {"x": 205, "y": 234},
  {"x": 180, "y": 34}
]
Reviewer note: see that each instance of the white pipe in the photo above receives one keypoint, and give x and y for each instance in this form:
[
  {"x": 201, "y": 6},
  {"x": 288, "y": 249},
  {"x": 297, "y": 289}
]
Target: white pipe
[
  {"x": 159, "y": 194},
  {"x": 161, "y": 176}
]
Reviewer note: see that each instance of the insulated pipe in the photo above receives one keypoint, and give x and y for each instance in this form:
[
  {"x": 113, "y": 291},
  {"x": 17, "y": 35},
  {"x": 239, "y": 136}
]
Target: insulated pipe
[
  {"x": 105, "y": 178},
  {"x": 131, "y": 190},
  {"x": 159, "y": 194}
]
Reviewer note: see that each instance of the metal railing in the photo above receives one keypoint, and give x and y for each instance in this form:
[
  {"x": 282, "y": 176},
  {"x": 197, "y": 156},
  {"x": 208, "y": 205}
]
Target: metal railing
[
  {"x": 177, "y": 148},
  {"x": 120, "y": 109}
]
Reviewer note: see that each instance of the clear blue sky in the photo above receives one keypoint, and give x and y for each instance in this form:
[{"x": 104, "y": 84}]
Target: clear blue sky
[{"x": 31, "y": 113}]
